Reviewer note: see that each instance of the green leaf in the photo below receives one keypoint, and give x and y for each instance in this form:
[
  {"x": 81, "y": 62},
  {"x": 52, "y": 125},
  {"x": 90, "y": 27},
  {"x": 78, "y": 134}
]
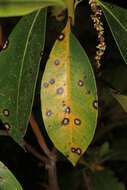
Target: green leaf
[
  {"x": 122, "y": 99},
  {"x": 19, "y": 65},
  {"x": 104, "y": 149},
  {"x": 7, "y": 179},
  {"x": 117, "y": 19},
  {"x": 105, "y": 180},
  {"x": 69, "y": 97},
  {"x": 22, "y": 7}
]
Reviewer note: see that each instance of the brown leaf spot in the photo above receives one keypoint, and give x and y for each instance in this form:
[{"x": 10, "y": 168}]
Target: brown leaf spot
[
  {"x": 80, "y": 83},
  {"x": 73, "y": 149},
  {"x": 61, "y": 37},
  {"x": 7, "y": 126},
  {"x": 46, "y": 84},
  {"x": 60, "y": 90},
  {"x": 52, "y": 81},
  {"x": 67, "y": 110},
  {"x": 5, "y": 167},
  {"x": 48, "y": 113},
  {"x": 5, "y": 46},
  {"x": 77, "y": 121},
  {"x": 6, "y": 112},
  {"x": 78, "y": 151},
  {"x": 95, "y": 104},
  {"x": 57, "y": 62},
  {"x": 1, "y": 179},
  {"x": 65, "y": 121}
]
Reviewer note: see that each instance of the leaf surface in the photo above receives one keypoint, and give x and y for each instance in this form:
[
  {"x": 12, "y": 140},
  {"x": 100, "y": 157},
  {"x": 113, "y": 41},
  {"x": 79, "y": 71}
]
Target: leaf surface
[
  {"x": 117, "y": 20},
  {"x": 19, "y": 65},
  {"x": 122, "y": 99},
  {"x": 69, "y": 97},
  {"x": 7, "y": 179},
  {"x": 22, "y": 7},
  {"x": 105, "y": 180}
]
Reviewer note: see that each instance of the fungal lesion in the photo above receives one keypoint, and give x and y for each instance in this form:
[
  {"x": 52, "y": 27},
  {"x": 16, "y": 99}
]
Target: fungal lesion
[
  {"x": 46, "y": 84},
  {"x": 61, "y": 36},
  {"x": 6, "y": 112},
  {"x": 67, "y": 110},
  {"x": 52, "y": 81},
  {"x": 77, "y": 151},
  {"x": 80, "y": 83},
  {"x": 77, "y": 121},
  {"x": 7, "y": 126},
  {"x": 95, "y": 104},
  {"x": 65, "y": 121},
  {"x": 60, "y": 90},
  {"x": 49, "y": 113}
]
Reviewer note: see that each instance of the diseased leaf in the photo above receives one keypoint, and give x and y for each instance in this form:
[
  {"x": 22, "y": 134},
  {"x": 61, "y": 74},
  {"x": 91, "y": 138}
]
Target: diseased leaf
[
  {"x": 105, "y": 180},
  {"x": 69, "y": 97},
  {"x": 117, "y": 19},
  {"x": 122, "y": 99},
  {"x": 7, "y": 179},
  {"x": 19, "y": 65},
  {"x": 22, "y": 7}
]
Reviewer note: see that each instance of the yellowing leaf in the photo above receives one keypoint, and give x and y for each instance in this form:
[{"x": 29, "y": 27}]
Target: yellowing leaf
[{"x": 69, "y": 97}]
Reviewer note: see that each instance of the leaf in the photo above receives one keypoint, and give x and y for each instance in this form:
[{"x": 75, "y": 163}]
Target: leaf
[
  {"x": 7, "y": 179},
  {"x": 19, "y": 66},
  {"x": 105, "y": 180},
  {"x": 22, "y": 7},
  {"x": 69, "y": 97},
  {"x": 104, "y": 149},
  {"x": 117, "y": 20},
  {"x": 122, "y": 99}
]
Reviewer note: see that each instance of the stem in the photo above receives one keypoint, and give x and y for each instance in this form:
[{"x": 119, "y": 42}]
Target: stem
[
  {"x": 34, "y": 152},
  {"x": 1, "y": 37},
  {"x": 39, "y": 137},
  {"x": 86, "y": 180},
  {"x": 52, "y": 176}
]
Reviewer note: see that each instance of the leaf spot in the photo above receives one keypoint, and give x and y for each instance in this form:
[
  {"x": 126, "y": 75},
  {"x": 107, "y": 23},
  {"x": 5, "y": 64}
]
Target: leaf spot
[
  {"x": 95, "y": 104},
  {"x": 30, "y": 70},
  {"x": 63, "y": 103},
  {"x": 60, "y": 90},
  {"x": 5, "y": 167},
  {"x": 80, "y": 83},
  {"x": 65, "y": 121},
  {"x": 77, "y": 121},
  {"x": 1, "y": 179},
  {"x": 46, "y": 84},
  {"x": 52, "y": 81},
  {"x": 57, "y": 62},
  {"x": 49, "y": 113},
  {"x": 61, "y": 37},
  {"x": 7, "y": 126},
  {"x": 78, "y": 151},
  {"x": 41, "y": 54},
  {"x": 67, "y": 110},
  {"x": 73, "y": 149},
  {"x": 5, "y": 46},
  {"x": 6, "y": 112}
]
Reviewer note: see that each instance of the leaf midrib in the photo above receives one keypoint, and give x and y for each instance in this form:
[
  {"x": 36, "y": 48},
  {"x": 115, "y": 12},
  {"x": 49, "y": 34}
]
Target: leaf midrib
[
  {"x": 22, "y": 64},
  {"x": 122, "y": 26}
]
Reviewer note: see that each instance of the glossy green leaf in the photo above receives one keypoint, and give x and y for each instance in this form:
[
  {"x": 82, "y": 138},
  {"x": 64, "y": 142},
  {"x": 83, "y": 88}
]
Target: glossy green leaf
[
  {"x": 19, "y": 65},
  {"x": 22, "y": 7},
  {"x": 122, "y": 99},
  {"x": 69, "y": 97},
  {"x": 7, "y": 179},
  {"x": 105, "y": 180},
  {"x": 117, "y": 19}
]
